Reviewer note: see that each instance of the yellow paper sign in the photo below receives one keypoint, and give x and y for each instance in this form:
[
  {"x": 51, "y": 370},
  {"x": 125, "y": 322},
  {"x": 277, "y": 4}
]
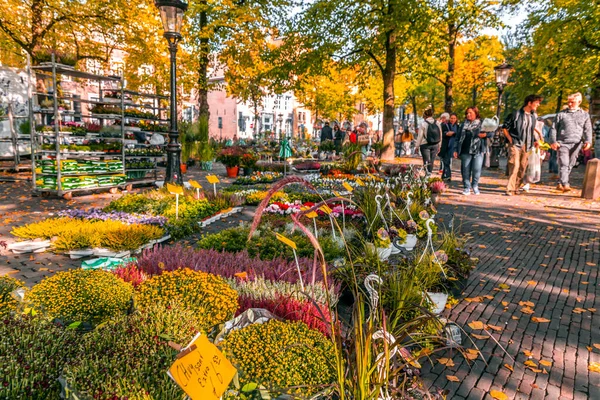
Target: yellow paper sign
[
  {"x": 325, "y": 208},
  {"x": 174, "y": 189},
  {"x": 212, "y": 179},
  {"x": 312, "y": 214},
  {"x": 195, "y": 184},
  {"x": 203, "y": 372},
  {"x": 360, "y": 182},
  {"x": 336, "y": 193},
  {"x": 348, "y": 187},
  {"x": 285, "y": 240}
]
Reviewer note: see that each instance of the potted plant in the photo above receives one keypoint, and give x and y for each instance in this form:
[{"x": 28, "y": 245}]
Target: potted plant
[
  {"x": 231, "y": 158},
  {"x": 411, "y": 235},
  {"x": 383, "y": 244},
  {"x": 249, "y": 160},
  {"x": 437, "y": 187}
]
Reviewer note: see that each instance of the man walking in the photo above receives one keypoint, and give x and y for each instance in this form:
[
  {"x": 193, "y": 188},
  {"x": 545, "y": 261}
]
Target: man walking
[
  {"x": 449, "y": 131},
  {"x": 571, "y": 130},
  {"x": 326, "y": 133},
  {"x": 428, "y": 140},
  {"x": 518, "y": 130}
]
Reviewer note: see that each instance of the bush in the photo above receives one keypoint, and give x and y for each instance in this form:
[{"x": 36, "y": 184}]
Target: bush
[
  {"x": 280, "y": 355},
  {"x": 267, "y": 246},
  {"x": 33, "y": 353},
  {"x": 7, "y": 302},
  {"x": 209, "y": 296},
  {"x": 81, "y": 295},
  {"x": 168, "y": 258},
  {"x": 71, "y": 234},
  {"x": 129, "y": 358}
]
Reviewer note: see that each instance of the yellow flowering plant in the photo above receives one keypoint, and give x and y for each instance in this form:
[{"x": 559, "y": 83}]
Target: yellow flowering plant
[
  {"x": 212, "y": 299},
  {"x": 7, "y": 302},
  {"x": 284, "y": 357},
  {"x": 89, "y": 296}
]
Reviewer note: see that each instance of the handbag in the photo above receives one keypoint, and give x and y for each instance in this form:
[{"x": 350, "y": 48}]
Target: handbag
[{"x": 490, "y": 124}]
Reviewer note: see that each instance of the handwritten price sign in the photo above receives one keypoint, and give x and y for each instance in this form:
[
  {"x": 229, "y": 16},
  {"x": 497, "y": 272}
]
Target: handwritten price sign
[{"x": 202, "y": 371}]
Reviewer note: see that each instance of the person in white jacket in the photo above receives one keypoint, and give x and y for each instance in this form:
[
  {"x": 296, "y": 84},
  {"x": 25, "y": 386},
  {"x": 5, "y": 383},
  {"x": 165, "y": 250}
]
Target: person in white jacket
[{"x": 428, "y": 139}]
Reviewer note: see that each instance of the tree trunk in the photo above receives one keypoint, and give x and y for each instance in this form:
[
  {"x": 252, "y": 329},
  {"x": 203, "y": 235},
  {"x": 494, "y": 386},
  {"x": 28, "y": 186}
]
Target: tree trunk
[
  {"x": 203, "y": 71},
  {"x": 449, "y": 83},
  {"x": 389, "y": 74},
  {"x": 255, "y": 120},
  {"x": 413, "y": 99}
]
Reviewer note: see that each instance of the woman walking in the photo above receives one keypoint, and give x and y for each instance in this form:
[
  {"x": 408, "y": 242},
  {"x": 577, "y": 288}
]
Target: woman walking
[{"x": 471, "y": 145}]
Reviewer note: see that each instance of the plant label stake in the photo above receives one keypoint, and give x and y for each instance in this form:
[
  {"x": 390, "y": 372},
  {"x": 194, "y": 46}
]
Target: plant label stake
[
  {"x": 176, "y": 190},
  {"x": 313, "y": 215},
  {"x": 292, "y": 244},
  {"x": 429, "y": 245},
  {"x": 214, "y": 180},
  {"x": 325, "y": 208},
  {"x": 197, "y": 186},
  {"x": 343, "y": 210}
]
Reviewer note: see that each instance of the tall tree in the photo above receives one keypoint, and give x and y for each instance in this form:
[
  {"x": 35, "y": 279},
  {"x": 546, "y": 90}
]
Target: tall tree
[{"x": 375, "y": 35}]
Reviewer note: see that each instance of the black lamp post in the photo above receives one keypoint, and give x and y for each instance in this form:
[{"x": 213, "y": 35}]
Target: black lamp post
[
  {"x": 502, "y": 72},
  {"x": 171, "y": 13}
]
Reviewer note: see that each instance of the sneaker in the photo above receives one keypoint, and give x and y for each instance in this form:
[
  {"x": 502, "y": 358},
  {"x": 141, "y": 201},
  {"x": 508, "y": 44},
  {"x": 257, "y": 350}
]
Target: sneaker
[
  {"x": 508, "y": 193},
  {"x": 525, "y": 188},
  {"x": 466, "y": 192},
  {"x": 560, "y": 187},
  {"x": 476, "y": 191},
  {"x": 566, "y": 188}
]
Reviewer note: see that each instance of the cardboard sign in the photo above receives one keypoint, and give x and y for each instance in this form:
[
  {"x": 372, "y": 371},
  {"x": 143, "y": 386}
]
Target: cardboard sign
[
  {"x": 195, "y": 184},
  {"x": 212, "y": 179},
  {"x": 202, "y": 371},
  {"x": 174, "y": 189},
  {"x": 285, "y": 240},
  {"x": 347, "y": 186}
]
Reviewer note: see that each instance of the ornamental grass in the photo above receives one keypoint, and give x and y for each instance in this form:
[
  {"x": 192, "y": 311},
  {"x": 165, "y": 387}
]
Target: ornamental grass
[
  {"x": 90, "y": 296},
  {"x": 33, "y": 352},
  {"x": 71, "y": 234},
  {"x": 128, "y": 358},
  {"x": 285, "y": 357},
  {"x": 7, "y": 302},
  {"x": 209, "y": 296}
]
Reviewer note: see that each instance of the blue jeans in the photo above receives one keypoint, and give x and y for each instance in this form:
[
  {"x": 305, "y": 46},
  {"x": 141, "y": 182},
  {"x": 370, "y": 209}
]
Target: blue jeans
[
  {"x": 553, "y": 162},
  {"x": 447, "y": 165},
  {"x": 470, "y": 169}
]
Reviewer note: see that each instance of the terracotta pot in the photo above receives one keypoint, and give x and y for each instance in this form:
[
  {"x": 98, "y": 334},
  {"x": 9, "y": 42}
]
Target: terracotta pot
[
  {"x": 232, "y": 172},
  {"x": 183, "y": 168}
]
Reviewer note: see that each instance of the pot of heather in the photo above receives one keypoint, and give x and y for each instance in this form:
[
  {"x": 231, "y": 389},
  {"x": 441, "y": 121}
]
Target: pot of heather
[{"x": 231, "y": 158}]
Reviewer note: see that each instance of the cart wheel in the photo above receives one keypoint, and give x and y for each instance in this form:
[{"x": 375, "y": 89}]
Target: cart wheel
[
  {"x": 113, "y": 190},
  {"x": 68, "y": 196},
  {"x": 129, "y": 187}
]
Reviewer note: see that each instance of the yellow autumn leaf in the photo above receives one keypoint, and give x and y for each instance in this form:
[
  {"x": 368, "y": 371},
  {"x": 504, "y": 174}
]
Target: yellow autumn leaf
[
  {"x": 481, "y": 337},
  {"x": 596, "y": 345},
  {"x": 452, "y": 378},
  {"x": 527, "y": 353},
  {"x": 505, "y": 303},
  {"x": 509, "y": 367},
  {"x": 537, "y": 319},
  {"x": 498, "y": 395},
  {"x": 531, "y": 282},
  {"x": 527, "y": 310},
  {"x": 476, "y": 325},
  {"x": 545, "y": 363},
  {"x": 594, "y": 367},
  {"x": 526, "y": 304},
  {"x": 503, "y": 286},
  {"x": 530, "y": 363},
  {"x": 494, "y": 327}
]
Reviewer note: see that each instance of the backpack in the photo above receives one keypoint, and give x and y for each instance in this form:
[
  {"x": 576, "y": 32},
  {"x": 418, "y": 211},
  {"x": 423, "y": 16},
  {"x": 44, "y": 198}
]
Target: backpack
[{"x": 433, "y": 133}]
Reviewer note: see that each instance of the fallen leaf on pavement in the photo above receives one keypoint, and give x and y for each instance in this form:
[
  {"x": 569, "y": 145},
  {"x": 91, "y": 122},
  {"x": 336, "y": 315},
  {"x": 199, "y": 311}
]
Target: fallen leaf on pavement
[
  {"x": 526, "y": 303},
  {"x": 527, "y": 353},
  {"x": 446, "y": 361},
  {"x": 505, "y": 303},
  {"x": 495, "y": 328},
  {"x": 481, "y": 337},
  {"x": 545, "y": 363},
  {"x": 527, "y": 310},
  {"x": 477, "y": 299},
  {"x": 509, "y": 367},
  {"x": 596, "y": 345},
  {"x": 537, "y": 319},
  {"x": 594, "y": 367},
  {"x": 452, "y": 378},
  {"x": 530, "y": 363},
  {"x": 579, "y": 310},
  {"x": 476, "y": 325},
  {"x": 498, "y": 395},
  {"x": 503, "y": 286}
]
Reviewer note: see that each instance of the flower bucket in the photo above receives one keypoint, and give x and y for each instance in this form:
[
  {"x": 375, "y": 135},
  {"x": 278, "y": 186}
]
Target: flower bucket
[
  {"x": 439, "y": 301},
  {"x": 232, "y": 172},
  {"x": 411, "y": 242},
  {"x": 384, "y": 253}
]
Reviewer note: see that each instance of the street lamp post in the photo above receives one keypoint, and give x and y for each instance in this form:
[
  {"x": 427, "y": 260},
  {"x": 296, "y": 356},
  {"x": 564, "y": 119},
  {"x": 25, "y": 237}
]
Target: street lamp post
[
  {"x": 502, "y": 73},
  {"x": 171, "y": 13}
]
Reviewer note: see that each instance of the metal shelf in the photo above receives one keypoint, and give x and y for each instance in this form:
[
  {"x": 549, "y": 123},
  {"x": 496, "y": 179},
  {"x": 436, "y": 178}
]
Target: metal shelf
[{"x": 63, "y": 175}]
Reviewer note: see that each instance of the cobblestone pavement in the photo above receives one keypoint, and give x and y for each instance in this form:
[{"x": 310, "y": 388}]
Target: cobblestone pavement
[{"x": 539, "y": 255}]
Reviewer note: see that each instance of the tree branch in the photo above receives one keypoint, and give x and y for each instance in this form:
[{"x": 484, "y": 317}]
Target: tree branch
[{"x": 370, "y": 53}]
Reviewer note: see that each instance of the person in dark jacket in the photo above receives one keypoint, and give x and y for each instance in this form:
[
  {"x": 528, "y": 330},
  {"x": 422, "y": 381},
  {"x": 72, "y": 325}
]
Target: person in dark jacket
[
  {"x": 571, "y": 131},
  {"x": 326, "y": 133},
  {"x": 519, "y": 131},
  {"x": 338, "y": 137},
  {"x": 449, "y": 132},
  {"x": 471, "y": 144}
]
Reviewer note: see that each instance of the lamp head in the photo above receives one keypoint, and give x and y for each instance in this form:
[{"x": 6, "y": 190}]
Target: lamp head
[{"x": 171, "y": 14}]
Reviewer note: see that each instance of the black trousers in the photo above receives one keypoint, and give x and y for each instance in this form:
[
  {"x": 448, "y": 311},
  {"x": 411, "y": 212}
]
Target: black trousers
[{"x": 428, "y": 152}]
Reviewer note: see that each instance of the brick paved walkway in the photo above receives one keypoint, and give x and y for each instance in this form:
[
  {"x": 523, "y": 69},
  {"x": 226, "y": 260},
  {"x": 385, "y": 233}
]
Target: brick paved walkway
[{"x": 539, "y": 256}]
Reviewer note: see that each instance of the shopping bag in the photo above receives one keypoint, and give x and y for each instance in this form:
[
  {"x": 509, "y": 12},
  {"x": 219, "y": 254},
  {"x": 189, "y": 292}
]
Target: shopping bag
[{"x": 534, "y": 166}]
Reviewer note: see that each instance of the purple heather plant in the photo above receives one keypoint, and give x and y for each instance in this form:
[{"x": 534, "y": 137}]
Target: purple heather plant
[
  {"x": 167, "y": 258},
  {"x": 98, "y": 214}
]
